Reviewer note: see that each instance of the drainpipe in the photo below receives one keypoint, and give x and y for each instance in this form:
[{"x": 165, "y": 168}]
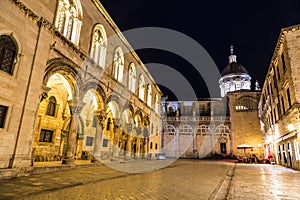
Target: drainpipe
[{"x": 12, "y": 159}]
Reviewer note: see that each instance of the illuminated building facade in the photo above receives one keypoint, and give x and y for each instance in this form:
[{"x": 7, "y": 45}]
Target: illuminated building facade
[
  {"x": 206, "y": 127},
  {"x": 69, "y": 91},
  {"x": 279, "y": 103}
]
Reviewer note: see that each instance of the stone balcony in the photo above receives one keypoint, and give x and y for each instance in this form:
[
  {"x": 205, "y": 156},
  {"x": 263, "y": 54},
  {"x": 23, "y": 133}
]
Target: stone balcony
[{"x": 198, "y": 118}]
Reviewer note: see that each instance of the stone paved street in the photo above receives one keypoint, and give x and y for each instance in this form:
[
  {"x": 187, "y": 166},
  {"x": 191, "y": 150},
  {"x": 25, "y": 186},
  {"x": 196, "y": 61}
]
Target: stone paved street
[
  {"x": 252, "y": 181},
  {"x": 183, "y": 179}
]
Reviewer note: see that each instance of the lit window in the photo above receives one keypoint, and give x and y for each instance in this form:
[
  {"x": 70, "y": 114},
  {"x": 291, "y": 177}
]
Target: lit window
[
  {"x": 99, "y": 46},
  {"x": 170, "y": 130},
  {"x": 203, "y": 130},
  {"x": 142, "y": 87},
  {"x": 222, "y": 130},
  {"x": 68, "y": 19},
  {"x": 118, "y": 64},
  {"x": 51, "y": 106},
  {"x": 156, "y": 103},
  {"x": 46, "y": 135},
  {"x": 3, "y": 112},
  {"x": 149, "y": 95},
  {"x": 8, "y": 51},
  {"x": 131, "y": 77},
  {"x": 246, "y": 104}
]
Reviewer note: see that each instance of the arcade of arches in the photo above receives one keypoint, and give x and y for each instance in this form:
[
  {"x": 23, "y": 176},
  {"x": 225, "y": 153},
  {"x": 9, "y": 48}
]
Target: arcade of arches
[{"x": 94, "y": 127}]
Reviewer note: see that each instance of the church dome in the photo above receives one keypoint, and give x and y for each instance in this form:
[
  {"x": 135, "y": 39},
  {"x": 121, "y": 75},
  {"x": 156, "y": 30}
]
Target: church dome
[
  {"x": 234, "y": 68},
  {"x": 234, "y": 77}
]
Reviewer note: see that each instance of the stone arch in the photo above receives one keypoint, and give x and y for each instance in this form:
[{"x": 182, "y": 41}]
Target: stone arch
[
  {"x": 222, "y": 130},
  {"x": 245, "y": 103},
  {"x": 203, "y": 130},
  {"x": 170, "y": 129},
  {"x": 118, "y": 64},
  {"x": 99, "y": 93},
  {"x": 128, "y": 106},
  {"x": 146, "y": 120},
  {"x": 67, "y": 69},
  {"x": 139, "y": 114},
  {"x": 116, "y": 99}
]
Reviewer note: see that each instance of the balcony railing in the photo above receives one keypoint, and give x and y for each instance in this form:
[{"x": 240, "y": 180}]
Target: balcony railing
[{"x": 199, "y": 118}]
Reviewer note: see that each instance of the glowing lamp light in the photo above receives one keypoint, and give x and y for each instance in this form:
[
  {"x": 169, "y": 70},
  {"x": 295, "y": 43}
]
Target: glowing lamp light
[{"x": 291, "y": 127}]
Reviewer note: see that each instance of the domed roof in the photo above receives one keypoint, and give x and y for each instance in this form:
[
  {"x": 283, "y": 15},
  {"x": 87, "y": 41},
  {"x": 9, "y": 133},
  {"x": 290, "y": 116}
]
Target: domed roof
[{"x": 234, "y": 68}]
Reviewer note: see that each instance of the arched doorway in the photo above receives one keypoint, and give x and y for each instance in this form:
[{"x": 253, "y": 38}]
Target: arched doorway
[
  {"x": 52, "y": 120},
  {"x": 112, "y": 129},
  {"x": 126, "y": 133}
]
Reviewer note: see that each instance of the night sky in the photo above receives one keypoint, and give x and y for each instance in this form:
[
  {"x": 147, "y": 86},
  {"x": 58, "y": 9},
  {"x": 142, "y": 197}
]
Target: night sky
[{"x": 252, "y": 27}]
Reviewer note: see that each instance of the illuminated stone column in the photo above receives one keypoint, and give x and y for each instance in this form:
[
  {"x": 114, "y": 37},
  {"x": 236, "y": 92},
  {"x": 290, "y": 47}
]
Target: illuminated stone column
[
  {"x": 138, "y": 147},
  {"x": 116, "y": 122},
  {"x": 101, "y": 116},
  {"x": 129, "y": 141},
  {"x": 146, "y": 142},
  {"x": 75, "y": 109}
]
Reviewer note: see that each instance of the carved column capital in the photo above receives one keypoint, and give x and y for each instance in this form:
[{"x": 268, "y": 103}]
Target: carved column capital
[
  {"x": 101, "y": 116},
  {"x": 116, "y": 122},
  {"x": 75, "y": 107},
  {"x": 44, "y": 92}
]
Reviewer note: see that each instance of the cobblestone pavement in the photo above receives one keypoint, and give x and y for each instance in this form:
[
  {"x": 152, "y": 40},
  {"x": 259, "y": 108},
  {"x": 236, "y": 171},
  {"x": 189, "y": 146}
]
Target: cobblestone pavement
[
  {"x": 252, "y": 181},
  {"x": 183, "y": 179}
]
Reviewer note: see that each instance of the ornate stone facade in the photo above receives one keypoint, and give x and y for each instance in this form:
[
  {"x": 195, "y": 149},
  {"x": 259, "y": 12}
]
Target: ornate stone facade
[
  {"x": 71, "y": 87},
  {"x": 203, "y": 128},
  {"x": 279, "y": 103}
]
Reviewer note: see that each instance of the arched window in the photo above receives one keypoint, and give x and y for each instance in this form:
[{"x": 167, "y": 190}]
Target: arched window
[
  {"x": 8, "y": 52},
  {"x": 68, "y": 19},
  {"x": 156, "y": 104},
  {"x": 245, "y": 104},
  {"x": 149, "y": 95},
  {"x": 222, "y": 130},
  {"x": 118, "y": 64},
  {"x": 170, "y": 130},
  {"x": 131, "y": 77},
  {"x": 99, "y": 45},
  {"x": 142, "y": 87},
  {"x": 51, "y": 106},
  {"x": 186, "y": 130},
  {"x": 203, "y": 130}
]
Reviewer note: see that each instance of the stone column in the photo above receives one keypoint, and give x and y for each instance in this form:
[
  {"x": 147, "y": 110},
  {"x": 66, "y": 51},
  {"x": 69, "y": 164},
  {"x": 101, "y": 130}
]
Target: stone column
[
  {"x": 101, "y": 116},
  {"x": 75, "y": 109},
  {"x": 138, "y": 149},
  {"x": 146, "y": 142},
  {"x": 129, "y": 141},
  {"x": 116, "y": 122}
]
